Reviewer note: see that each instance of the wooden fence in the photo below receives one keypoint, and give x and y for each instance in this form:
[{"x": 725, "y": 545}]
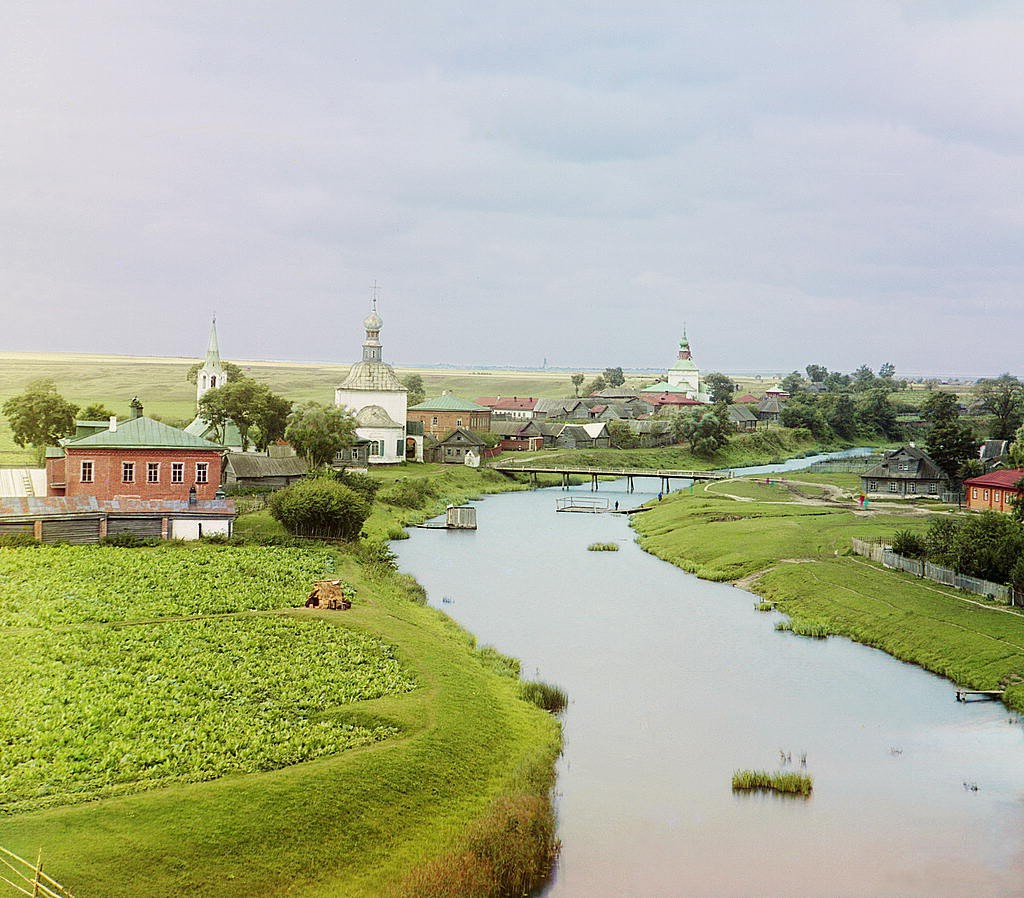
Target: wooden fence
[
  {"x": 29, "y": 879},
  {"x": 885, "y": 556}
]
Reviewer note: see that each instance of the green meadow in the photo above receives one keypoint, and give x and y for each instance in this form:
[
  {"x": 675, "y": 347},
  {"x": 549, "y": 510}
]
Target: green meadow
[{"x": 797, "y": 557}]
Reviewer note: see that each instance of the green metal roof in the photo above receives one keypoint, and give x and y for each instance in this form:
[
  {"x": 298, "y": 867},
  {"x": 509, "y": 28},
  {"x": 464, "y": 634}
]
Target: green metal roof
[
  {"x": 200, "y": 428},
  {"x": 143, "y": 433},
  {"x": 448, "y": 402}
]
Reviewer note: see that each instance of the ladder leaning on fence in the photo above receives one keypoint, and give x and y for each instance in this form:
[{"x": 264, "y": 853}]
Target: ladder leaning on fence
[{"x": 28, "y": 878}]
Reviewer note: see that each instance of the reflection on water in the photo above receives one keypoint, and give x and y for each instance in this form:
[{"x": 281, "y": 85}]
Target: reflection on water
[{"x": 675, "y": 682}]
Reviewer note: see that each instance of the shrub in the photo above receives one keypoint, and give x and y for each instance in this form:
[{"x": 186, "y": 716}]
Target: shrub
[
  {"x": 909, "y": 544},
  {"x": 18, "y": 540},
  {"x": 125, "y": 540},
  {"x": 320, "y": 508},
  {"x": 408, "y": 493},
  {"x": 376, "y": 554}
]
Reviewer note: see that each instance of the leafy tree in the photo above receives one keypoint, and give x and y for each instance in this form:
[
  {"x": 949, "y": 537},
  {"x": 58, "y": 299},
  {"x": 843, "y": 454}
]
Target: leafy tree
[
  {"x": 876, "y": 413},
  {"x": 621, "y": 437},
  {"x": 951, "y": 443},
  {"x": 1017, "y": 448},
  {"x": 720, "y": 387},
  {"x": 803, "y": 411},
  {"x": 595, "y": 386},
  {"x": 841, "y": 416},
  {"x": 417, "y": 391},
  {"x": 836, "y": 382},
  {"x": 863, "y": 378},
  {"x": 707, "y": 431},
  {"x": 940, "y": 407},
  {"x": 1003, "y": 398},
  {"x": 816, "y": 374},
  {"x": 887, "y": 371},
  {"x": 614, "y": 377},
  {"x": 986, "y": 545},
  {"x": 319, "y": 507},
  {"x": 40, "y": 416},
  {"x": 233, "y": 371},
  {"x": 577, "y": 382},
  {"x": 246, "y": 403},
  {"x": 792, "y": 382},
  {"x": 96, "y": 412},
  {"x": 318, "y": 432}
]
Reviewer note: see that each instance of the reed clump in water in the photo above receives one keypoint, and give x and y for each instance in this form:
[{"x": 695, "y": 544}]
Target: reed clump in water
[
  {"x": 763, "y": 780},
  {"x": 816, "y": 629},
  {"x": 603, "y": 547},
  {"x": 544, "y": 695}
]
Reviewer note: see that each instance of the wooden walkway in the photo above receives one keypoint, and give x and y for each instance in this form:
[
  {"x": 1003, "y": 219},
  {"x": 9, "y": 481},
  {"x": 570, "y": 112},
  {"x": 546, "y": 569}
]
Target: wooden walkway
[
  {"x": 961, "y": 694},
  {"x": 665, "y": 476}
]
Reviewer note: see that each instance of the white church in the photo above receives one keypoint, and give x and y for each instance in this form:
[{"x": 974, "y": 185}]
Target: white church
[{"x": 377, "y": 398}]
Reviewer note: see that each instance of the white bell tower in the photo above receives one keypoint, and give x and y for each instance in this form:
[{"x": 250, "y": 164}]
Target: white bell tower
[{"x": 213, "y": 373}]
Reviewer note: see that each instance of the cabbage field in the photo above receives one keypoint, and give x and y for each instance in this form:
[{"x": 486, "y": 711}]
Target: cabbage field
[
  {"x": 92, "y": 709},
  {"x": 81, "y": 584}
]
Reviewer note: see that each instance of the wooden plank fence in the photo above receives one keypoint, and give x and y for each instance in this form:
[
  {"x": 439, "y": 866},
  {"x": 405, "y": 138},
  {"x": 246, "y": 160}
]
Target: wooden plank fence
[{"x": 882, "y": 554}]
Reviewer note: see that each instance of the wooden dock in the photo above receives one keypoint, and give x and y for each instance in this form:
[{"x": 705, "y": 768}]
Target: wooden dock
[
  {"x": 992, "y": 694},
  {"x": 583, "y": 505}
]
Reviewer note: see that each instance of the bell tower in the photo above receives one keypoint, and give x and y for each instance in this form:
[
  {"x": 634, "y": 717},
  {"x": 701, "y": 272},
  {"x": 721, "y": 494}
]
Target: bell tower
[{"x": 212, "y": 374}]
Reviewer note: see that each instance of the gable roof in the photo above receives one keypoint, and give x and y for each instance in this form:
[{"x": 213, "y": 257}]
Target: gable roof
[
  {"x": 463, "y": 437},
  {"x": 919, "y": 466},
  {"x": 740, "y": 413},
  {"x": 249, "y": 464},
  {"x": 141, "y": 433},
  {"x": 509, "y": 403}
]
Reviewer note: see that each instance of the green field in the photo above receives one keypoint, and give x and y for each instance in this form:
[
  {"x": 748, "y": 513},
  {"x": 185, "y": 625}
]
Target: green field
[
  {"x": 239, "y": 753},
  {"x": 797, "y": 557}
]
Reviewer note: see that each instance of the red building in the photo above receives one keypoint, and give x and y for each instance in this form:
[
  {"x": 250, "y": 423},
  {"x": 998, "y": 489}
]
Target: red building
[
  {"x": 135, "y": 459},
  {"x": 996, "y": 491}
]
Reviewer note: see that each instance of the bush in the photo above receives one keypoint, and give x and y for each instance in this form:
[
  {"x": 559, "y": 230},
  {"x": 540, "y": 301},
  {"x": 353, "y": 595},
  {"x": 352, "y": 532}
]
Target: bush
[
  {"x": 909, "y": 544},
  {"x": 18, "y": 540},
  {"x": 544, "y": 696},
  {"x": 408, "y": 493},
  {"x": 125, "y": 540},
  {"x": 321, "y": 508},
  {"x": 376, "y": 554}
]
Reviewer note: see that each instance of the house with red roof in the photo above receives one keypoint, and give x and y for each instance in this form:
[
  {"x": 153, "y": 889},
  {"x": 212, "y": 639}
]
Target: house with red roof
[
  {"x": 995, "y": 491},
  {"x": 510, "y": 406}
]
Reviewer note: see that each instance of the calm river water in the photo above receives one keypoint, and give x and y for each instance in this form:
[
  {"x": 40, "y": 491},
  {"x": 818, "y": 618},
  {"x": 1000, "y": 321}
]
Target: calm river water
[{"x": 675, "y": 682}]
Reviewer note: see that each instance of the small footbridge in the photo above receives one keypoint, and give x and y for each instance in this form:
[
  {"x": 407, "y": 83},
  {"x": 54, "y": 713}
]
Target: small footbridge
[{"x": 629, "y": 474}]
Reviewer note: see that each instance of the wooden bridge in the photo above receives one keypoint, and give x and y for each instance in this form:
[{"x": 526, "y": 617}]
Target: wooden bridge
[{"x": 665, "y": 476}]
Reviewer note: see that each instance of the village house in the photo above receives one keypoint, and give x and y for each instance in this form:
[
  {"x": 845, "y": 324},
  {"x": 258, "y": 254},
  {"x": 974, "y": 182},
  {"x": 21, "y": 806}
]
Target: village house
[
  {"x": 135, "y": 459},
  {"x": 904, "y": 472},
  {"x": 518, "y": 436},
  {"x": 253, "y": 469},
  {"x": 510, "y": 406},
  {"x": 742, "y": 418},
  {"x": 458, "y": 444},
  {"x": 651, "y": 433},
  {"x": 769, "y": 409},
  {"x": 995, "y": 491},
  {"x": 443, "y": 414},
  {"x": 583, "y": 436}
]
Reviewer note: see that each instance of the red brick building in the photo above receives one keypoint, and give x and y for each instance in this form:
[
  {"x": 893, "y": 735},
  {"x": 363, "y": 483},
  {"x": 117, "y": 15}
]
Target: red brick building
[
  {"x": 443, "y": 414},
  {"x": 996, "y": 491},
  {"x": 135, "y": 459}
]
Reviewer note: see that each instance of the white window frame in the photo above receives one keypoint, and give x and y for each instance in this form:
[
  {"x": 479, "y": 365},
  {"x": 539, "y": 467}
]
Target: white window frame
[
  {"x": 91, "y": 471},
  {"x": 177, "y": 472},
  {"x": 152, "y": 472},
  {"x": 894, "y": 487},
  {"x": 985, "y": 495},
  {"x": 995, "y": 496},
  {"x": 202, "y": 472},
  {"x": 911, "y": 487},
  {"x": 127, "y": 472}
]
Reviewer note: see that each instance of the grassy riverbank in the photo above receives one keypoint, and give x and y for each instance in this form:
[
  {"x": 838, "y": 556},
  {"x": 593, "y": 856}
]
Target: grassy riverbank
[
  {"x": 461, "y": 746},
  {"x": 793, "y": 551}
]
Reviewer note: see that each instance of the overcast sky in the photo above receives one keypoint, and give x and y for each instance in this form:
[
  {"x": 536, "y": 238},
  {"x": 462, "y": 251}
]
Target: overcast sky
[{"x": 796, "y": 181}]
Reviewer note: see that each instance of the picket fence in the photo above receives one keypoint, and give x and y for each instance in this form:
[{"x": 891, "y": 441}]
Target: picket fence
[{"x": 885, "y": 556}]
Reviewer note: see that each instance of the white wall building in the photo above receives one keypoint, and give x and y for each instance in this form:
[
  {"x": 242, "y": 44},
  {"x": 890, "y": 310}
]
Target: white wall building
[{"x": 378, "y": 399}]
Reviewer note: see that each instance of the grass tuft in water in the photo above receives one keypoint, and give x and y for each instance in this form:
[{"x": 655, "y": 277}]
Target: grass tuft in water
[
  {"x": 762, "y": 780},
  {"x": 603, "y": 547},
  {"x": 544, "y": 695},
  {"x": 815, "y": 629}
]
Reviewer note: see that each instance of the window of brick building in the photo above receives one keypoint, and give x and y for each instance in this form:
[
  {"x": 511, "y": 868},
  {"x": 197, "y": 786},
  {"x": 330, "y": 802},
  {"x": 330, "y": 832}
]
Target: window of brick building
[
  {"x": 86, "y": 472},
  {"x": 202, "y": 472},
  {"x": 177, "y": 472},
  {"x": 127, "y": 472},
  {"x": 153, "y": 472}
]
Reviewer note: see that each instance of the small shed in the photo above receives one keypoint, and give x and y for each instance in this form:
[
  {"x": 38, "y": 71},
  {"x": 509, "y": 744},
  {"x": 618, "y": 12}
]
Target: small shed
[
  {"x": 461, "y": 517},
  {"x": 329, "y": 594}
]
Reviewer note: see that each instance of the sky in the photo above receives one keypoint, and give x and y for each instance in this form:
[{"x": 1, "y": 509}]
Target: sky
[{"x": 570, "y": 183}]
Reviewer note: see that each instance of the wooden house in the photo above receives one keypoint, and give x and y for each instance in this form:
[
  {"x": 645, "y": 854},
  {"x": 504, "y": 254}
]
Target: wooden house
[
  {"x": 251, "y": 469},
  {"x": 457, "y": 444},
  {"x": 995, "y": 491},
  {"x": 905, "y": 472}
]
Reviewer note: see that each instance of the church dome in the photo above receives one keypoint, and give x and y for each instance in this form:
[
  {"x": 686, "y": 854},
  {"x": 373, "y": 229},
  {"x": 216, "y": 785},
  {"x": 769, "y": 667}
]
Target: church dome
[
  {"x": 368, "y": 375},
  {"x": 373, "y": 321}
]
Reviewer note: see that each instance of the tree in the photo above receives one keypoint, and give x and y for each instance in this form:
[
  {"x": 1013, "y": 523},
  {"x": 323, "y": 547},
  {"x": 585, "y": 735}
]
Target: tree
[
  {"x": 417, "y": 392},
  {"x": 792, "y": 382},
  {"x": 950, "y": 443},
  {"x": 620, "y": 436},
  {"x": 320, "y": 507},
  {"x": 595, "y": 386},
  {"x": 40, "y": 416},
  {"x": 318, "y": 432},
  {"x": 577, "y": 382},
  {"x": 887, "y": 371},
  {"x": 96, "y": 412},
  {"x": 614, "y": 377},
  {"x": 876, "y": 414},
  {"x": 803, "y": 411},
  {"x": 720, "y": 387},
  {"x": 233, "y": 372},
  {"x": 246, "y": 403},
  {"x": 842, "y": 416},
  {"x": 939, "y": 408},
  {"x": 816, "y": 374},
  {"x": 863, "y": 378},
  {"x": 836, "y": 382},
  {"x": 1017, "y": 449},
  {"x": 707, "y": 431},
  {"x": 1003, "y": 398}
]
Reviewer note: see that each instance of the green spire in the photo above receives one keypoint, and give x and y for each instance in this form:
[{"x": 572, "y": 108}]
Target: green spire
[{"x": 212, "y": 349}]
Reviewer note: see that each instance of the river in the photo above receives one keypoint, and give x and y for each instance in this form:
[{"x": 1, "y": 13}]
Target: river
[{"x": 675, "y": 682}]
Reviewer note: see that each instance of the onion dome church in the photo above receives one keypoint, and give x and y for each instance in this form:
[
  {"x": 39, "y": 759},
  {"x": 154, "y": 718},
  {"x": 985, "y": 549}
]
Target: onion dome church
[
  {"x": 377, "y": 398},
  {"x": 682, "y": 377}
]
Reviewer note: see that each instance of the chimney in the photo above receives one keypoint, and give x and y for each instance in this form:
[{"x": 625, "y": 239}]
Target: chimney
[
  {"x": 112, "y": 426},
  {"x": 136, "y": 407}
]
